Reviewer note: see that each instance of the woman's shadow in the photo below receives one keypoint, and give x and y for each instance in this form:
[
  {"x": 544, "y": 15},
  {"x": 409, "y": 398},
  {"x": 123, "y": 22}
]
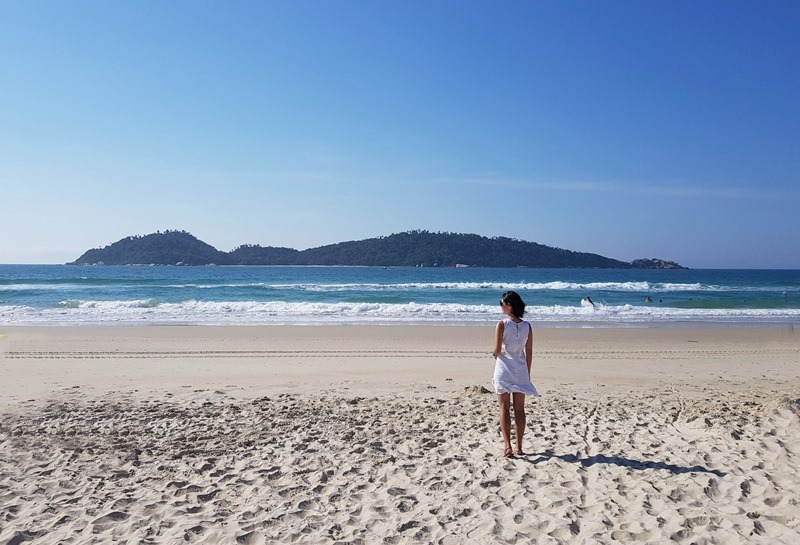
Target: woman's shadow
[{"x": 535, "y": 458}]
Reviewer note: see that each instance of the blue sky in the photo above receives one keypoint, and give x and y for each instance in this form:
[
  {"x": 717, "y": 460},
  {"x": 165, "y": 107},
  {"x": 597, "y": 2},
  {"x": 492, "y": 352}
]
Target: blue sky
[{"x": 627, "y": 128}]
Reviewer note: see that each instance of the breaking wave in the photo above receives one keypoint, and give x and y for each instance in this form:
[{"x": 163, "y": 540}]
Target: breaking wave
[{"x": 283, "y": 312}]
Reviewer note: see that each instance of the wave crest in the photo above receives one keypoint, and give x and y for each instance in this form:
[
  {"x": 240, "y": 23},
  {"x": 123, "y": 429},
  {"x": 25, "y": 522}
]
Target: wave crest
[{"x": 282, "y": 312}]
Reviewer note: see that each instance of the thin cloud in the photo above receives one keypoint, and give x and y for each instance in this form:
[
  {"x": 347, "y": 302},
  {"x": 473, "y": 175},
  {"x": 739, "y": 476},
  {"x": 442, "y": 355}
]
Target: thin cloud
[
  {"x": 239, "y": 174},
  {"x": 527, "y": 184},
  {"x": 673, "y": 191},
  {"x": 717, "y": 192}
]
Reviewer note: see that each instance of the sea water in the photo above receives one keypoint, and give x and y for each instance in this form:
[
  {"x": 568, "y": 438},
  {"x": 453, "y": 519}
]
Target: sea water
[{"x": 105, "y": 295}]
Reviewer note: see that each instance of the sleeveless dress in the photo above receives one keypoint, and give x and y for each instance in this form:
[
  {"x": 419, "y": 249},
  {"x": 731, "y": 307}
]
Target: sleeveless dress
[{"x": 511, "y": 370}]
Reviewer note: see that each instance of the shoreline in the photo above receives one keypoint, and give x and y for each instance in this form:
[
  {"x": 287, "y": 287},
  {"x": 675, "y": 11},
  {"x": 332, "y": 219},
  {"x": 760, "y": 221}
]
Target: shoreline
[
  {"x": 543, "y": 324},
  {"x": 44, "y": 360}
]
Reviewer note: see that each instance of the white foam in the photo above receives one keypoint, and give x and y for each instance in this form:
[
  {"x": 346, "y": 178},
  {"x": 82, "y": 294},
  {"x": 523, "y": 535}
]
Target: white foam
[
  {"x": 280, "y": 312},
  {"x": 38, "y": 287},
  {"x": 412, "y": 286},
  {"x": 470, "y": 286}
]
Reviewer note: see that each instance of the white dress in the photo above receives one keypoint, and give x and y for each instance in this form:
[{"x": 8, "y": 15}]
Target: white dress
[{"x": 511, "y": 368}]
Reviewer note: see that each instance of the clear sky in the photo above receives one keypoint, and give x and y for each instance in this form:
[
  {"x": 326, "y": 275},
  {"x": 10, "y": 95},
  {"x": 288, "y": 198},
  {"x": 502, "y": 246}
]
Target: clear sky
[{"x": 631, "y": 129}]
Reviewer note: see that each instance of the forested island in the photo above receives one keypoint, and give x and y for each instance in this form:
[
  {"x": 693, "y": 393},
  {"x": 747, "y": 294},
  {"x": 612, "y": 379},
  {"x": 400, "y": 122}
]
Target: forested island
[{"x": 409, "y": 249}]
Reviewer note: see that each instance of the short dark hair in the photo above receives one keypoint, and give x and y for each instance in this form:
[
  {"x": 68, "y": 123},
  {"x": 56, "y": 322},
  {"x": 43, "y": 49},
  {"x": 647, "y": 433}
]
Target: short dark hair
[{"x": 517, "y": 304}]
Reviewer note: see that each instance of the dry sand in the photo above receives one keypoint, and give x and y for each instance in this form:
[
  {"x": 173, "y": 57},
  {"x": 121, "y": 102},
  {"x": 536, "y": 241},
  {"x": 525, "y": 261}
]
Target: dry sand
[{"x": 380, "y": 435}]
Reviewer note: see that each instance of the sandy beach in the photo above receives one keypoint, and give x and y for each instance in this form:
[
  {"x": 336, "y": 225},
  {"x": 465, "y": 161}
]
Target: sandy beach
[{"x": 360, "y": 434}]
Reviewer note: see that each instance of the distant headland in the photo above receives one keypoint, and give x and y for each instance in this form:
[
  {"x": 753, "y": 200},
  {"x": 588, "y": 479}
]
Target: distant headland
[{"x": 408, "y": 249}]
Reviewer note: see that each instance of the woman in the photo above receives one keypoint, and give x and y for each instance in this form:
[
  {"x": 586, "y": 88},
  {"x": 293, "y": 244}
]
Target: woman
[{"x": 513, "y": 353}]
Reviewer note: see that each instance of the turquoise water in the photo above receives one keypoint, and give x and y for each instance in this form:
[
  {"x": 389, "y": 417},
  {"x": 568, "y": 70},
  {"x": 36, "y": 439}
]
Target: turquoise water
[{"x": 70, "y": 295}]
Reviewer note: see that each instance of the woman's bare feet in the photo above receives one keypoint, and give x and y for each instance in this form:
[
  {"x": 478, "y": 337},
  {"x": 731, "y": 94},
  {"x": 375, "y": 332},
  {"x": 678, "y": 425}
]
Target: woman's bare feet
[{"x": 508, "y": 453}]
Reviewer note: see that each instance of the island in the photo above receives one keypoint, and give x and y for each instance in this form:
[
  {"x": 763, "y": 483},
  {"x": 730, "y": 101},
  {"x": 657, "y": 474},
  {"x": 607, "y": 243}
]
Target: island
[{"x": 408, "y": 249}]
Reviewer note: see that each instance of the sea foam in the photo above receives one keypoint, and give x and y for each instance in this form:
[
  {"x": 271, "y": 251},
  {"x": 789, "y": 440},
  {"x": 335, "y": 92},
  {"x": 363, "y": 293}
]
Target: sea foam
[{"x": 284, "y": 312}]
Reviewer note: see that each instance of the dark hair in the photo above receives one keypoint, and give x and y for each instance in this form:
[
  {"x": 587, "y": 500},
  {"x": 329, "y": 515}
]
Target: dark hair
[{"x": 517, "y": 304}]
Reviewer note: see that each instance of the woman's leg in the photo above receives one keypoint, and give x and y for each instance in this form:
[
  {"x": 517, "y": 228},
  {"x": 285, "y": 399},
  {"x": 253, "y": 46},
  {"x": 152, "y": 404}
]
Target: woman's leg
[
  {"x": 519, "y": 420},
  {"x": 504, "y": 404}
]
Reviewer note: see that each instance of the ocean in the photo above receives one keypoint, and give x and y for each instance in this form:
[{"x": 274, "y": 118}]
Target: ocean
[{"x": 157, "y": 295}]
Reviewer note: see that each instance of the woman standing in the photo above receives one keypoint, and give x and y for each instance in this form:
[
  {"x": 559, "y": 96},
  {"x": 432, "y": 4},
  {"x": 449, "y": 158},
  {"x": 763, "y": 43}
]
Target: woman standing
[{"x": 513, "y": 353}]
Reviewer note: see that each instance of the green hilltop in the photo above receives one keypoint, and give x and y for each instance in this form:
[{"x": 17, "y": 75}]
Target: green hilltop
[{"x": 408, "y": 249}]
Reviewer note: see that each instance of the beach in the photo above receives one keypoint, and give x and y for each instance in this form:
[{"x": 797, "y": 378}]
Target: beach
[{"x": 387, "y": 434}]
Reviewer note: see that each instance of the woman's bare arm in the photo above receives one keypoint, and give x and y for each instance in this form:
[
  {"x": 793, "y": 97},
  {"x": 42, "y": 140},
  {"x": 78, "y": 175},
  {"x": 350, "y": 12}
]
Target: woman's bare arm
[
  {"x": 498, "y": 339},
  {"x": 529, "y": 349}
]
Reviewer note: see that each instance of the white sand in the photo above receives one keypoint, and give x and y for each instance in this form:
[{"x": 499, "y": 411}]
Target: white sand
[{"x": 376, "y": 435}]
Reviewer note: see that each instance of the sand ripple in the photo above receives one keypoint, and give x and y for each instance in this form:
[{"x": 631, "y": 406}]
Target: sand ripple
[{"x": 209, "y": 467}]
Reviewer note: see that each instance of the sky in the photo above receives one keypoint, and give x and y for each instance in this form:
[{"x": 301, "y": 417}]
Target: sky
[{"x": 631, "y": 129}]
